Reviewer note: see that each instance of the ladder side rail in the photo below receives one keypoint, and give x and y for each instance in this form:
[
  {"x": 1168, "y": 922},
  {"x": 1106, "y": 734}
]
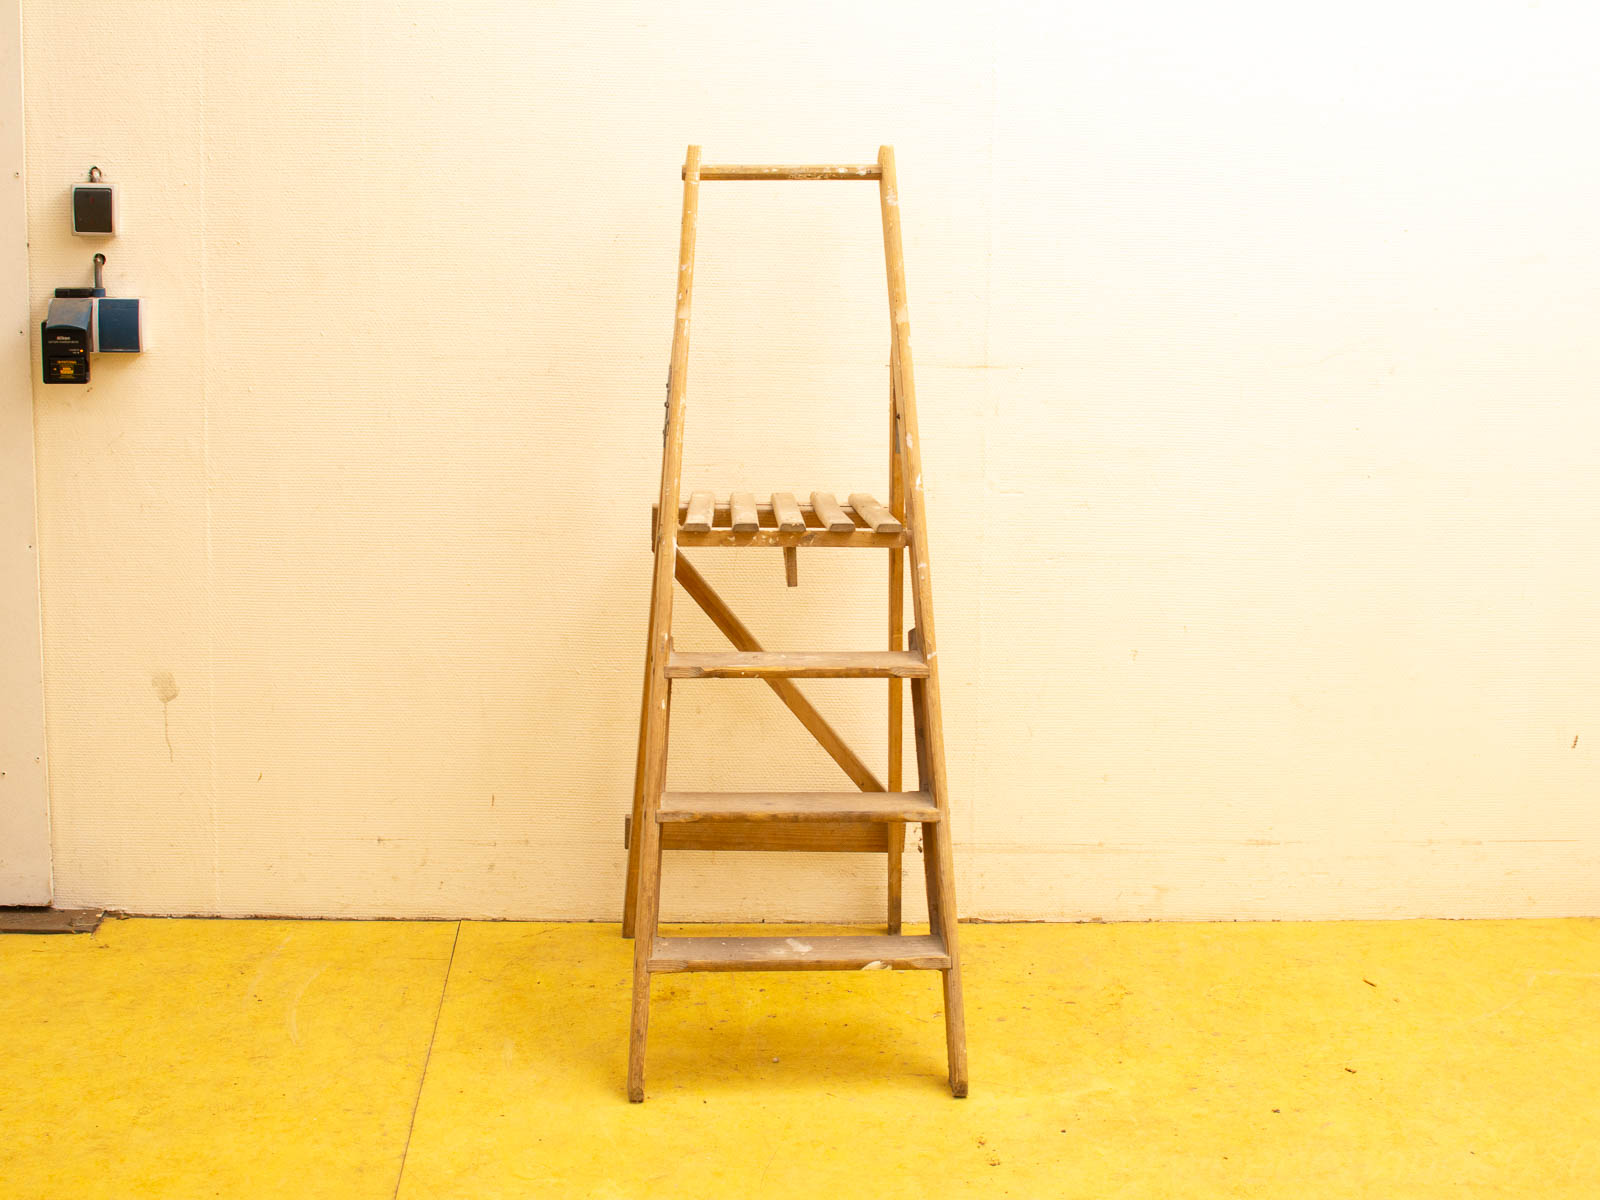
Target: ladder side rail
[
  {"x": 905, "y": 399},
  {"x": 922, "y": 602},
  {"x": 648, "y": 831}
]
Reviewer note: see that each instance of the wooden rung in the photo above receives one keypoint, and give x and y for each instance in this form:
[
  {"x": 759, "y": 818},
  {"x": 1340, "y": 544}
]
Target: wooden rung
[
  {"x": 817, "y": 171},
  {"x": 742, "y": 516},
  {"x": 871, "y": 952},
  {"x": 787, "y": 513},
  {"x": 829, "y": 513},
  {"x": 798, "y": 806},
  {"x": 808, "y": 664},
  {"x": 702, "y": 511},
  {"x": 874, "y": 514}
]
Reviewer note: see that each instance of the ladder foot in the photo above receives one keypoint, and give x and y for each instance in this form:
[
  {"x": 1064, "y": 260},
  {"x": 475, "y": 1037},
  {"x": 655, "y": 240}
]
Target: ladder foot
[
  {"x": 640, "y": 1024},
  {"x": 636, "y": 1076},
  {"x": 955, "y": 1030}
]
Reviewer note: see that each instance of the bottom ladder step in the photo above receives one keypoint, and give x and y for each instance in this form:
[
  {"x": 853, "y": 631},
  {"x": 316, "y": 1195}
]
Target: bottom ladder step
[{"x": 868, "y": 952}]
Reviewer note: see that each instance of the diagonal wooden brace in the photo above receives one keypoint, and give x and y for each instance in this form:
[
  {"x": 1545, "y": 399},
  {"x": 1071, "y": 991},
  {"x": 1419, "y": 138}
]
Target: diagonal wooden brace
[{"x": 734, "y": 629}]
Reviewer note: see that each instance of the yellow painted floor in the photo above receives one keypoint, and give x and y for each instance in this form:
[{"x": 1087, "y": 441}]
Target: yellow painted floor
[{"x": 303, "y": 1059}]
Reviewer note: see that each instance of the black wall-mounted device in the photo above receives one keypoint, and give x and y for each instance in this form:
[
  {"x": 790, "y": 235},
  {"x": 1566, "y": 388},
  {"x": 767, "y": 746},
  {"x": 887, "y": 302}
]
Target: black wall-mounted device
[
  {"x": 94, "y": 206},
  {"x": 65, "y": 338},
  {"x": 84, "y": 321}
]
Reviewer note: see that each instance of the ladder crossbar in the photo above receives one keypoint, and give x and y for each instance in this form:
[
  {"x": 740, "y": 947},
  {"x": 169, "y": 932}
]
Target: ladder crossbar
[{"x": 750, "y": 171}]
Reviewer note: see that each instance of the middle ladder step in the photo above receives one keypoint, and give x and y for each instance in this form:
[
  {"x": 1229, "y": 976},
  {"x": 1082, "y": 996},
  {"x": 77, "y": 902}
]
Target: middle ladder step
[
  {"x": 912, "y": 807},
  {"x": 798, "y": 664}
]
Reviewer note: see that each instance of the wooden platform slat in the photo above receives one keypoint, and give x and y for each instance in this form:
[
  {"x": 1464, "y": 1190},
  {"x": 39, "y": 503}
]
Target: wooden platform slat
[
  {"x": 809, "y": 664},
  {"x": 831, "y": 516},
  {"x": 742, "y": 513},
  {"x": 701, "y": 512},
  {"x": 771, "y": 533},
  {"x": 812, "y": 538},
  {"x": 798, "y": 807},
  {"x": 874, "y": 514},
  {"x": 786, "y": 511},
  {"x": 866, "y": 952}
]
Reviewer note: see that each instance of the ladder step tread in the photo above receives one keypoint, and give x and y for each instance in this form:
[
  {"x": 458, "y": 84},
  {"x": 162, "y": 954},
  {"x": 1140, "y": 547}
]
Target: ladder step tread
[
  {"x": 798, "y": 664},
  {"x": 798, "y": 806},
  {"x": 868, "y": 952},
  {"x": 703, "y": 520}
]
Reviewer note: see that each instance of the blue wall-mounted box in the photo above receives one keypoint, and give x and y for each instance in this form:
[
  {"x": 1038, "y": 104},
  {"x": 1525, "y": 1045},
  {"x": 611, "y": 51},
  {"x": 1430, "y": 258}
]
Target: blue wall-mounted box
[{"x": 118, "y": 326}]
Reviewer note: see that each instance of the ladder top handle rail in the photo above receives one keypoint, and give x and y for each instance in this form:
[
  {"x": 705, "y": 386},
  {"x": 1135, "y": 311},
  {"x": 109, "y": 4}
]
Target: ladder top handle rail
[{"x": 711, "y": 171}]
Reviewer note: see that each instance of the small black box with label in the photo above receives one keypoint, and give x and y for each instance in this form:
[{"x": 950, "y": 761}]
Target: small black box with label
[{"x": 65, "y": 339}]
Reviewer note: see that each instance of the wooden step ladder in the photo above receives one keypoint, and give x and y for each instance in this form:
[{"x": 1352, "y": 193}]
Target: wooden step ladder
[{"x": 872, "y": 819}]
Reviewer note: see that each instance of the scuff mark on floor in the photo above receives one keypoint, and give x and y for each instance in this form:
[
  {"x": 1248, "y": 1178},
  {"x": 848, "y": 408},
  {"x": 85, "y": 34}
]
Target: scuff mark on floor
[{"x": 294, "y": 1005}]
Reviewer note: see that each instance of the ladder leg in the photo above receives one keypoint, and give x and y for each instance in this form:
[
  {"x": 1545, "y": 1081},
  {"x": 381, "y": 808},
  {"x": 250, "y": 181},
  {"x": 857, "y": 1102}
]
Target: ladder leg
[
  {"x": 955, "y": 1013},
  {"x": 929, "y": 858},
  {"x": 938, "y": 865},
  {"x": 896, "y": 832},
  {"x": 925, "y": 700},
  {"x": 930, "y": 877},
  {"x": 654, "y": 755},
  {"x": 649, "y": 841},
  {"x": 897, "y": 845},
  {"x": 630, "y": 895},
  {"x": 647, "y": 837}
]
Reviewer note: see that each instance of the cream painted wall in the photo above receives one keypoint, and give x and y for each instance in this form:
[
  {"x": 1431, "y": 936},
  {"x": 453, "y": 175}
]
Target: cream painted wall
[{"x": 1256, "y": 361}]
